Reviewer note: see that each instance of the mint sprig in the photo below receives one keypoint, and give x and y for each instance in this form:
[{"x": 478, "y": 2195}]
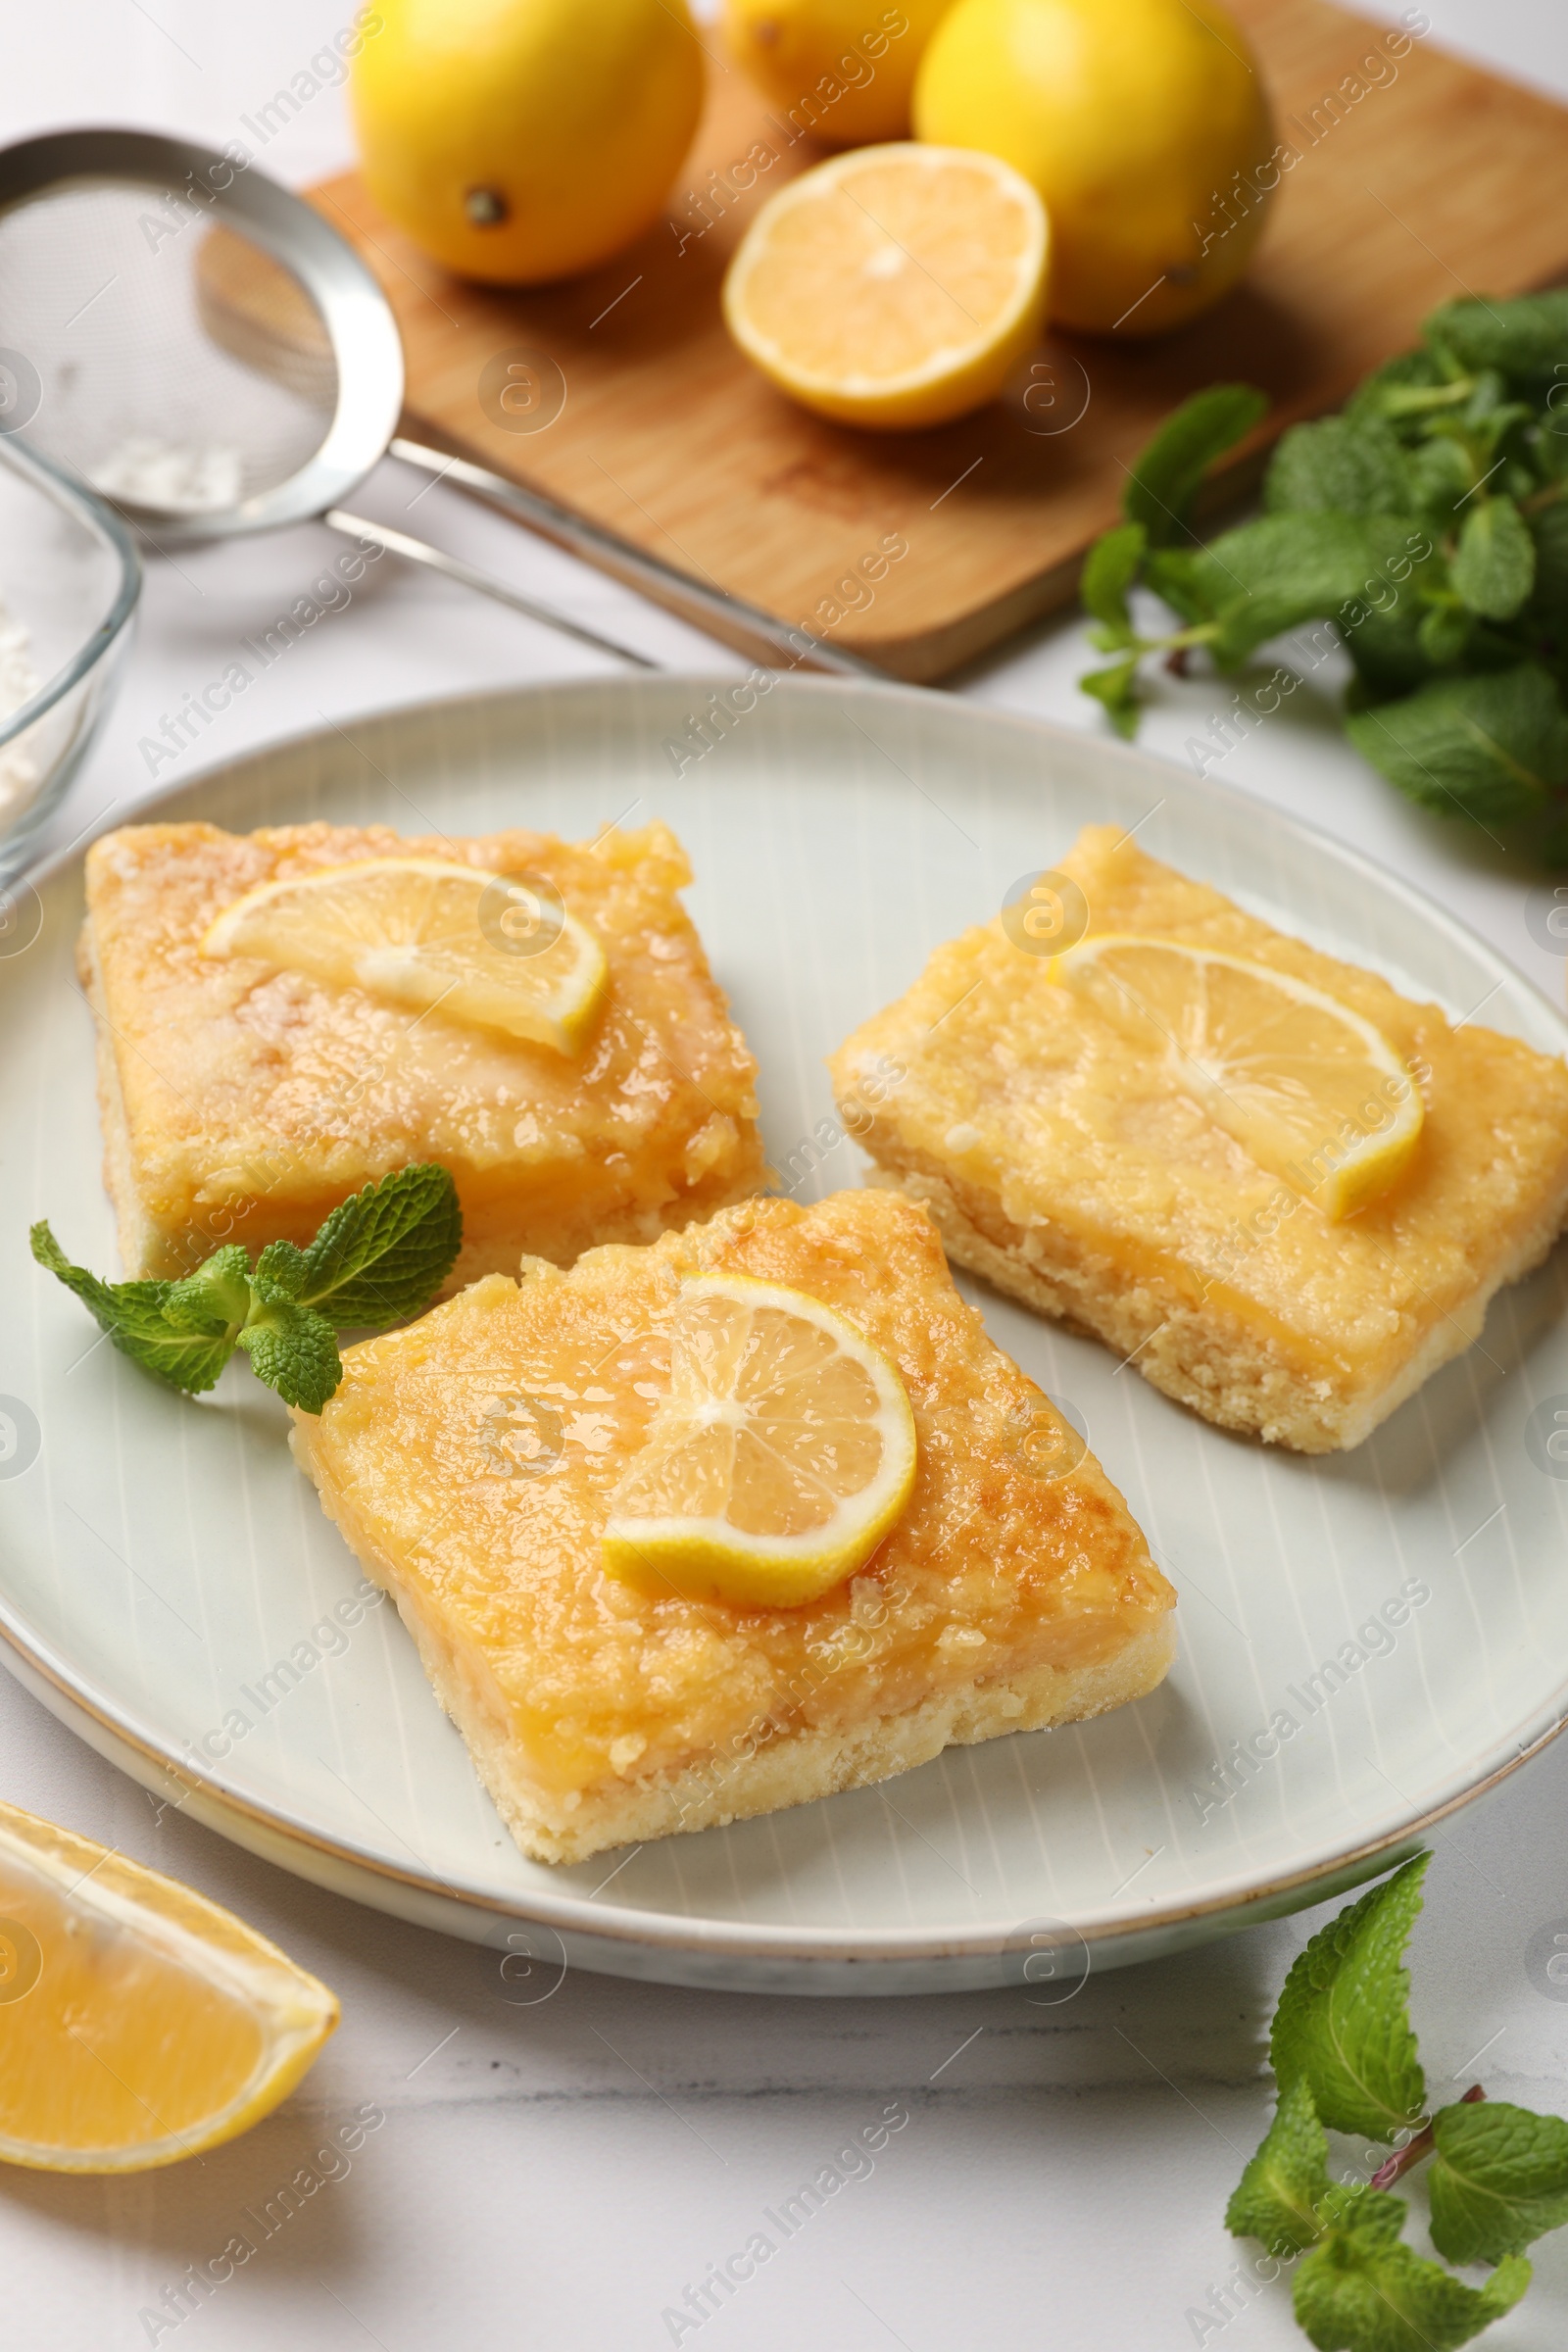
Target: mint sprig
[
  {"x": 1345, "y": 2058},
  {"x": 380, "y": 1258},
  {"x": 1427, "y": 525}
]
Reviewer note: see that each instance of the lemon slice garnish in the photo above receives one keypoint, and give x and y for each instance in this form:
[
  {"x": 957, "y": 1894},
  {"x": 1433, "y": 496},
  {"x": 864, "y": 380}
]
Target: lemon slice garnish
[
  {"x": 893, "y": 286},
  {"x": 492, "y": 950},
  {"x": 138, "y": 2022},
  {"x": 780, "y": 1456},
  {"x": 1309, "y": 1088}
]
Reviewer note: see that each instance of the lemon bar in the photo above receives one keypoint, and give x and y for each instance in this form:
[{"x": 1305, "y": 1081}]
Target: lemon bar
[
  {"x": 242, "y": 1103},
  {"x": 1069, "y": 1167},
  {"x": 470, "y": 1461}
]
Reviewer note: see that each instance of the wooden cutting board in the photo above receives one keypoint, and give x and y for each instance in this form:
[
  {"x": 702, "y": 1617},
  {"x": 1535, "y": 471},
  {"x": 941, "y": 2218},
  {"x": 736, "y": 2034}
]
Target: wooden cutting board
[{"x": 1439, "y": 181}]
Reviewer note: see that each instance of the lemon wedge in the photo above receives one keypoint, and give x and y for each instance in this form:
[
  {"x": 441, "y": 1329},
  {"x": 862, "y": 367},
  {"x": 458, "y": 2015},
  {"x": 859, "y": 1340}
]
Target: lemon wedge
[
  {"x": 138, "y": 2022},
  {"x": 780, "y": 1456},
  {"x": 1309, "y": 1088},
  {"x": 492, "y": 950},
  {"x": 893, "y": 286}
]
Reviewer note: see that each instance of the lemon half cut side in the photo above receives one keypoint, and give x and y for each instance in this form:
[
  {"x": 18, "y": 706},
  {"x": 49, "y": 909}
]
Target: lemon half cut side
[
  {"x": 893, "y": 286},
  {"x": 781, "y": 1455},
  {"x": 139, "y": 2024},
  {"x": 1312, "y": 1091},
  {"x": 491, "y": 951}
]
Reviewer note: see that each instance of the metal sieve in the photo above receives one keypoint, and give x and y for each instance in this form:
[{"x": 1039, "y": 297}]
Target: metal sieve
[{"x": 205, "y": 350}]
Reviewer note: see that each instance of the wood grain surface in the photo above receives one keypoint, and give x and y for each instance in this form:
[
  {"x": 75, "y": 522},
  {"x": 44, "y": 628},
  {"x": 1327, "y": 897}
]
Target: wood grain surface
[{"x": 630, "y": 406}]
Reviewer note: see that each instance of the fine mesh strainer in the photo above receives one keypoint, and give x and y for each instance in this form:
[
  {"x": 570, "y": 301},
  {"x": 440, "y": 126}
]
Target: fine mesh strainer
[{"x": 207, "y": 353}]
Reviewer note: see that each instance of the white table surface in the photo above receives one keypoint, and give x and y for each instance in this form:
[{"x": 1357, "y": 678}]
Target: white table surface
[{"x": 556, "y": 2175}]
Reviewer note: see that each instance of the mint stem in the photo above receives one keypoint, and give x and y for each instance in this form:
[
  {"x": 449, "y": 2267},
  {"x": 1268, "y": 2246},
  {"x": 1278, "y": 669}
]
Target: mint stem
[{"x": 1422, "y": 2145}]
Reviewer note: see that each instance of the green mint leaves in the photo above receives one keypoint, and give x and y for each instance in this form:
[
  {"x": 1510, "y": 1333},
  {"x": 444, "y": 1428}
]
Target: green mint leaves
[
  {"x": 1495, "y": 747},
  {"x": 1363, "y": 2290},
  {"x": 1425, "y": 528},
  {"x": 1166, "y": 480},
  {"x": 1345, "y": 2058},
  {"x": 380, "y": 1257},
  {"x": 1341, "y": 2027},
  {"x": 1499, "y": 2181}
]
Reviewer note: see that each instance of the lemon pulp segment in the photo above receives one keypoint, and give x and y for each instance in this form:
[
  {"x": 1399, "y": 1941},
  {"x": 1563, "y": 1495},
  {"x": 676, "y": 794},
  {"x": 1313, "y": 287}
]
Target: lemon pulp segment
[
  {"x": 893, "y": 286},
  {"x": 139, "y": 2023},
  {"x": 487, "y": 950},
  {"x": 781, "y": 1455},
  {"x": 1312, "y": 1091}
]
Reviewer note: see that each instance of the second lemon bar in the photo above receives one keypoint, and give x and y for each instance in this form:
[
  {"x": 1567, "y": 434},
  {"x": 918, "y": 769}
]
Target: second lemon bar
[{"x": 1080, "y": 1148}]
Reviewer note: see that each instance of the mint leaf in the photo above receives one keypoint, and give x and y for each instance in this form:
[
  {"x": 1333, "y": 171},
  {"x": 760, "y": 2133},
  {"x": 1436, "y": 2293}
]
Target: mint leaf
[
  {"x": 1271, "y": 575},
  {"x": 1116, "y": 688},
  {"x": 1340, "y": 465},
  {"x": 1443, "y": 634},
  {"x": 1389, "y": 651},
  {"x": 1341, "y": 2025},
  {"x": 1407, "y": 384},
  {"x": 1361, "y": 2290},
  {"x": 1491, "y": 747},
  {"x": 1441, "y": 479},
  {"x": 294, "y": 1350},
  {"x": 1167, "y": 473},
  {"x": 1109, "y": 570},
  {"x": 187, "y": 1349},
  {"x": 1180, "y": 576},
  {"x": 216, "y": 1298},
  {"x": 1282, "y": 2193},
  {"x": 380, "y": 1257},
  {"x": 1524, "y": 337},
  {"x": 1493, "y": 567},
  {"x": 1500, "y": 2179}
]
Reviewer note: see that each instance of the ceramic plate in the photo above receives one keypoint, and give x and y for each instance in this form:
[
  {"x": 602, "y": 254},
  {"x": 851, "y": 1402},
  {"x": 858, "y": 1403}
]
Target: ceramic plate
[{"x": 1404, "y": 1608}]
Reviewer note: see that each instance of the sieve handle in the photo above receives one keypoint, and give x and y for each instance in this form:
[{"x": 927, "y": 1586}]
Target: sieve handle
[
  {"x": 418, "y": 551},
  {"x": 709, "y": 607}
]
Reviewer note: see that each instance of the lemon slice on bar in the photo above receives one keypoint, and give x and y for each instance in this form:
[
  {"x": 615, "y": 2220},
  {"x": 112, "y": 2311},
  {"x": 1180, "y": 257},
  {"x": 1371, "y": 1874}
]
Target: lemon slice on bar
[
  {"x": 1312, "y": 1091},
  {"x": 893, "y": 286},
  {"x": 491, "y": 951},
  {"x": 139, "y": 2024},
  {"x": 780, "y": 1456}
]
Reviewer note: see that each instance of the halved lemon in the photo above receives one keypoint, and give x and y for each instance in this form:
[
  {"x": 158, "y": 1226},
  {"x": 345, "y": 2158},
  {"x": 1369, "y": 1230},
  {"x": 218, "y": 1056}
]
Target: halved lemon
[
  {"x": 1311, "y": 1090},
  {"x": 138, "y": 2022},
  {"x": 494, "y": 951},
  {"x": 893, "y": 286},
  {"x": 780, "y": 1456}
]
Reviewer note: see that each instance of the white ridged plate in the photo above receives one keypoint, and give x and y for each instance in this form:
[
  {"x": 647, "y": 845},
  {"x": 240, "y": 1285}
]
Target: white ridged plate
[{"x": 158, "y": 1557}]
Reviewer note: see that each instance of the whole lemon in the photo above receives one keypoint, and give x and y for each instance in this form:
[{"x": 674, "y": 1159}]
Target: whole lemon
[
  {"x": 841, "y": 69},
  {"x": 522, "y": 140},
  {"x": 1144, "y": 126}
]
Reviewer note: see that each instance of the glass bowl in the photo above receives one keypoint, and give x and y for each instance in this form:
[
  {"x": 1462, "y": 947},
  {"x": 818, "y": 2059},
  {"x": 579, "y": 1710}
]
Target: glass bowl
[{"x": 68, "y": 582}]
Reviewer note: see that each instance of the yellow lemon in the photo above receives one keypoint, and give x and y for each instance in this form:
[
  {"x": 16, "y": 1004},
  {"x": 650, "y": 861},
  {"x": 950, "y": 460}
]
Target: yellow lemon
[
  {"x": 523, "y": 140},
  {"x": 1310, "y": 1090},
  {"x": 893, "y": 286},
  {"x": 782, "y": 1454},
  {"x": 138, "y": 2022},
  {"x": 841, "y": 69},
  {"x": 495, "y": 951},
  {"x": 1144, "y": 127}
]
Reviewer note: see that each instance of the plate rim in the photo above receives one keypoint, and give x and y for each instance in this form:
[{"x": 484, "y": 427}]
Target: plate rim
[{"x": 1238, "y": 1896}]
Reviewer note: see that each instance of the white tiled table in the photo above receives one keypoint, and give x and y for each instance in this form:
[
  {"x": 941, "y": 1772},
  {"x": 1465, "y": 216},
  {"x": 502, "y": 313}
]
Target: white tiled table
[{"x": 556, "y": 2176}]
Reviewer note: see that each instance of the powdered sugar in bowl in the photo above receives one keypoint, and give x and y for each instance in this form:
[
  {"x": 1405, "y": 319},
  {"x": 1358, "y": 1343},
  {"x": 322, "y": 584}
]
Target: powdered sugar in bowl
[{"x": 68, "y": 583}]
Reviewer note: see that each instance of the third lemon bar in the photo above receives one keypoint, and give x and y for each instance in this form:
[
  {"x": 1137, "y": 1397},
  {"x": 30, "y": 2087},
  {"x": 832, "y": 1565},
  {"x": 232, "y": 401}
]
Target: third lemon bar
[{"x": 1283, "y": 1191}]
